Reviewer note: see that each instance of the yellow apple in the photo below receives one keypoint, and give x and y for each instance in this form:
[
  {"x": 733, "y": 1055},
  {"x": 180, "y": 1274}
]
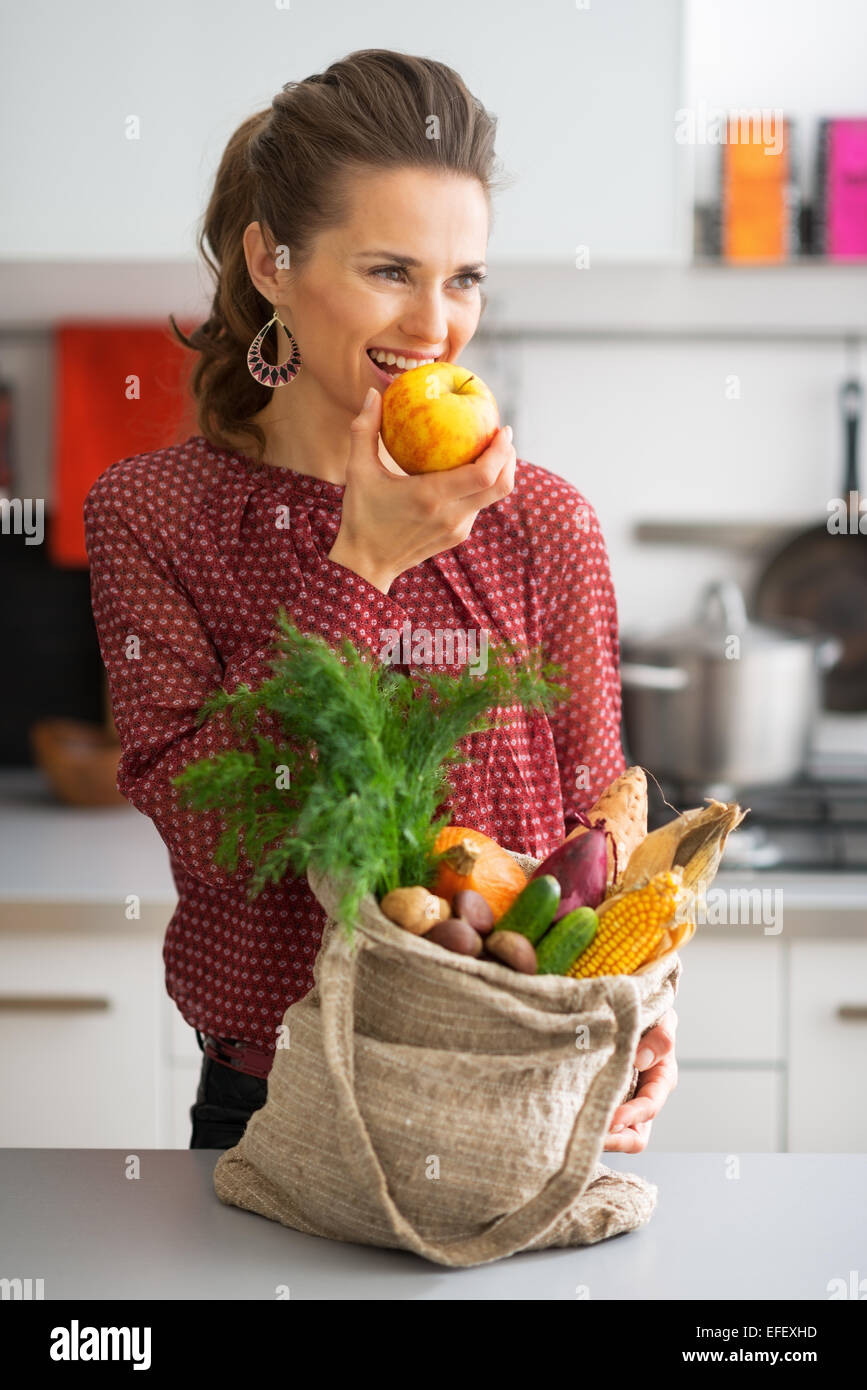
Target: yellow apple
[{"x": 437, "y": 416}]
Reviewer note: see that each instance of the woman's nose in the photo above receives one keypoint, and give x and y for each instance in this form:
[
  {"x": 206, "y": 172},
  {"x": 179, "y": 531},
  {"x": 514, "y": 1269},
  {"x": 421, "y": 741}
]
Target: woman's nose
[{"x": 426, "y": 321}]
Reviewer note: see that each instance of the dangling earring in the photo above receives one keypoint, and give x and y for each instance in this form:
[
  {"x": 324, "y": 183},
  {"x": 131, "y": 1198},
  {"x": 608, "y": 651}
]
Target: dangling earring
[{"x": 262, "y": 370}]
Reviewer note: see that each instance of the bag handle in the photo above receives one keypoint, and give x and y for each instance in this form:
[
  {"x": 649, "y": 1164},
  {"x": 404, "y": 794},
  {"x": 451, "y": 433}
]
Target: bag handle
[{"x": 517, "y": 1229}]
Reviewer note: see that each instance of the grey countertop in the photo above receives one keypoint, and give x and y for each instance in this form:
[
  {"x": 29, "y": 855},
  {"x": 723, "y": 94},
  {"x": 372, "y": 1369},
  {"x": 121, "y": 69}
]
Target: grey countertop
[
  {"x": 57, "y": 854},
  {"x": 783, "y": 1228}
]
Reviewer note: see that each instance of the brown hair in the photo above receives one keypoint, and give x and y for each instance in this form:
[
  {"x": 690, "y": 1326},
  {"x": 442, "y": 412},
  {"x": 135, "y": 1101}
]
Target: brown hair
[{"x": 288, "y": 168}]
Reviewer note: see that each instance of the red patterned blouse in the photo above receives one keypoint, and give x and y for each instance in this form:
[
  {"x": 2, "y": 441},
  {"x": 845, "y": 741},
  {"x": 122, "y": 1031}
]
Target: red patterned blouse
[{"x": 192, "y": 549}]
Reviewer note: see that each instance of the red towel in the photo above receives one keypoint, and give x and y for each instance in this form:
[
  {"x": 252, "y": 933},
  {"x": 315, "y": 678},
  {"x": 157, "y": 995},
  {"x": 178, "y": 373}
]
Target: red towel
[{"x": 103, "y": 415}]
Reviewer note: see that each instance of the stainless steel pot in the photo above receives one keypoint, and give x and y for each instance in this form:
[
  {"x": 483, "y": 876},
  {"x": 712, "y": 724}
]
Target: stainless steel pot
[{"x": 723, "y": 701}]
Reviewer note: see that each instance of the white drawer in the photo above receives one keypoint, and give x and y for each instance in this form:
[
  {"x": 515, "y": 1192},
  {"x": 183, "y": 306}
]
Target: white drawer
[
  {"x": 79, "y": 1039},
  {"x": 729, "y": 1001},
  {"x": 66, "y": 960},
  {"x": 828, "y": 1044},
  {"x": 721, "y": 1110}
]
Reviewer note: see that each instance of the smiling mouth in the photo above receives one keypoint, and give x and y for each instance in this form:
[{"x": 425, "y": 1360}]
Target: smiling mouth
[{"x": 394, "y": 364}]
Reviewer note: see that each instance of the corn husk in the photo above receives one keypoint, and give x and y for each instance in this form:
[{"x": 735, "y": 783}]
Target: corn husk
[{"x": 694, "y": 841}]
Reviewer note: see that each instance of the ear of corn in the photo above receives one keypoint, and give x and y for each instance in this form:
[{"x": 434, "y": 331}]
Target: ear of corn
[{"x": 631, "y": 927}]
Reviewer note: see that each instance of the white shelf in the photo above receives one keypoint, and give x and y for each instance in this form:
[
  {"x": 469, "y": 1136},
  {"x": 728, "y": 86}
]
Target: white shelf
[{"x": 677, "y": 301}]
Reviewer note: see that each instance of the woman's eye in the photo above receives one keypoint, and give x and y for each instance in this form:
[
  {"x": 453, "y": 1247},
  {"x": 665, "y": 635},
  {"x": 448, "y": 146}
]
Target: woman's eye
[
  {"x": 389, "y": 270},
  {"x": 475, "y": 277}
]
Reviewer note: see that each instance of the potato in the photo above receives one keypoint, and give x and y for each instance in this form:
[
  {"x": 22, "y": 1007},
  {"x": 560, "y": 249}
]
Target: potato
[
  {"x": 414, "y": 909},
  {"x": 513, "y": 949},
  {"x": 455, "y": 935},
  {"x": 473, "y": 908}
]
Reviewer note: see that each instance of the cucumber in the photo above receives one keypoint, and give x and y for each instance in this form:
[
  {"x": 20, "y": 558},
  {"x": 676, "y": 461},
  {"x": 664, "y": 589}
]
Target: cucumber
[
  {"x": 562, "y": 945},
  {"x": 533, "y": 910}
]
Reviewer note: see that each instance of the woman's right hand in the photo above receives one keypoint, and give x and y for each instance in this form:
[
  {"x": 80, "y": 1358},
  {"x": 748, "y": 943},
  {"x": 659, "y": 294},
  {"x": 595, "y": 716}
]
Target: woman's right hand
[{"x": 391, "y": 522}]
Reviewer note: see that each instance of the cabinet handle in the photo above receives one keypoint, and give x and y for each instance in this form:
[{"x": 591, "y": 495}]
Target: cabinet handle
[
  {"x": 45, "y": 1002},
  {"x": 852, "y": 1013}
]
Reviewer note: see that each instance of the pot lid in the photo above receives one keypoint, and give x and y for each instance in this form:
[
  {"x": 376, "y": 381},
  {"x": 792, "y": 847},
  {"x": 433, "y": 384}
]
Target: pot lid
[{"x": 721, "y": 614}]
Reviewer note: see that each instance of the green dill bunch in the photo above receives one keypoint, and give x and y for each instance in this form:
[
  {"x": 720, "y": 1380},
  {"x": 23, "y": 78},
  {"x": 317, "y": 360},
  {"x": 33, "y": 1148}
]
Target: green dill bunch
[{"x": 355, "y": 788}]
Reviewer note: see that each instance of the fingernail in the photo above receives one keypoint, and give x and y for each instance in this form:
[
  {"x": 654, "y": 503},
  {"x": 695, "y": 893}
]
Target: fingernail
[
  {"x": 615, "y": 1129},
  {"x": 508, "y": 432},
  {"x": 368, "y": 400},
  {"x": 644, "y": 1058}
]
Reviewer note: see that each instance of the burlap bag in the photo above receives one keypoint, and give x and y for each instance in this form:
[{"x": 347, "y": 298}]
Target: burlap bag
[{"x": 445, "y": 1105}]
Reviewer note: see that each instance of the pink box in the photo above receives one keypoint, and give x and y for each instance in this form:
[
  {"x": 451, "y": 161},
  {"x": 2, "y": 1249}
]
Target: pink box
[{"x": 846, "y": 189}]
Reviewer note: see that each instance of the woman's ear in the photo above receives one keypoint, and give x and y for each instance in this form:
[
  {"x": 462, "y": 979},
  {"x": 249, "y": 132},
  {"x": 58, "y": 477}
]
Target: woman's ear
[{"x": 269, "y": 272}]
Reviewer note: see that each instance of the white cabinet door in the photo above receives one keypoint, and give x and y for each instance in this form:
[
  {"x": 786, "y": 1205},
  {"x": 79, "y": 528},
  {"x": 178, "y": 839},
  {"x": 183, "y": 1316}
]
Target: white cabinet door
[
  {"x": 730, "y": 1049},
  {"x": 184, "y": 1084},
  {"x": 721, "y": 1110},
  {"x": 183, "y": 1062},
  {"x": 80, "y": 1063},
  {"x": 828, "y": 1047},
  {"x": 729, "y": 1001}
]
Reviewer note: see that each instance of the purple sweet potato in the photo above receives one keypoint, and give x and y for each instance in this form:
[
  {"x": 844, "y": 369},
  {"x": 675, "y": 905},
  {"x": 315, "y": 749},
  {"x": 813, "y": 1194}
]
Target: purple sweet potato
[{"x": 580, "y": 866}]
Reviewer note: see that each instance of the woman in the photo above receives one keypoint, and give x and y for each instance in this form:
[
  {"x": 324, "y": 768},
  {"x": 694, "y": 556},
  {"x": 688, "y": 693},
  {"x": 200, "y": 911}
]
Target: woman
[{"x": 356, "y": 209}]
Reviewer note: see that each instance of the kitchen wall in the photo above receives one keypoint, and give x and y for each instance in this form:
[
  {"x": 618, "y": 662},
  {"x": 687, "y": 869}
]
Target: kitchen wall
[
  {"x": 650, "y": 434},
  {"x": 566, "y": 80},
  {"x": 645, "y": 423},
  {"x": 803, "y": 57},
  {"x": 665, "y": 391},
  {"x": 646, "y": 427},
  {"x": 651, "y": 416}
]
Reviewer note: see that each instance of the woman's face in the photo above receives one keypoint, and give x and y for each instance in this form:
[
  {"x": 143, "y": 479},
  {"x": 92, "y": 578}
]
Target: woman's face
[{"x": 401, "y": 274}]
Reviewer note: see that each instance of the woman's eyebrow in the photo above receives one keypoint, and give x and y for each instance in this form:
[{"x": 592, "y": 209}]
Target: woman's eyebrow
[{"x": 411, "y": 260}]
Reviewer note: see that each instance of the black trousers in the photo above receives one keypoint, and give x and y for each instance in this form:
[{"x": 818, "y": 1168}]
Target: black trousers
[{"x": 224, "y": 1103}]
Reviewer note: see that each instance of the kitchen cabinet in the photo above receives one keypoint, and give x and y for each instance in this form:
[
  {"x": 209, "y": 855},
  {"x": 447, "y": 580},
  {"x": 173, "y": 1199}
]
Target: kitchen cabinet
[
  {"x": 730, "y": 1047},
  {"x": 93, "y": 1052},
  {"x": 79, "y": 1065},
  {"x": 182, "y": 1059},
  {"x": 722, "y": 1109},
  {"x": 729, "y": 1001},
  {"x": 828, "y": 1046},
  {"x": 772, "y": 1046},
  {"x": 90, "y": 1043}
]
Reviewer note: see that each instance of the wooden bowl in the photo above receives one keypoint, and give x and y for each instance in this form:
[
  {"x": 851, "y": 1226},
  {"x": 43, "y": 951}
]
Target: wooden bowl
[{"x": 80, "y": 761}]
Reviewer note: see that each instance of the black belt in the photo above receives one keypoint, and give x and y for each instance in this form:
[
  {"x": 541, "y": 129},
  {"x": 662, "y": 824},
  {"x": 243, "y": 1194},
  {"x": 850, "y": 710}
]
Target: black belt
[{"x": 240, "y": 1056}]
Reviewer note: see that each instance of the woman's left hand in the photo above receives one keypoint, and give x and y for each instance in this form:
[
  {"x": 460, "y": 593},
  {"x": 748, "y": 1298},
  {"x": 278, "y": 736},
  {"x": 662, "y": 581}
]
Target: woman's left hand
[{"x": 657, "y": 1066}]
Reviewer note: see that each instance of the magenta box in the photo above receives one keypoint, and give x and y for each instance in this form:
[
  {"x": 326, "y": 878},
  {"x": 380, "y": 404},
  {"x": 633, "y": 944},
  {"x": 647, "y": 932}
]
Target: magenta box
[{"x": 846, "y": 189}]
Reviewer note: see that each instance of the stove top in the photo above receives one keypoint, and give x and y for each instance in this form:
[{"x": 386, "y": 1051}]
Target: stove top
[{"x": 812, "y": 823}]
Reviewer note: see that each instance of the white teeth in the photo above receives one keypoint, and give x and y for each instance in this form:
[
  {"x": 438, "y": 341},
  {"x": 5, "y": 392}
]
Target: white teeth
[{"x": 389, "y": 359}]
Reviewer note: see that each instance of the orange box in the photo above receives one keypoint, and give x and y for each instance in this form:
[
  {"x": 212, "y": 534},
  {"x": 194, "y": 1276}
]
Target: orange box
[{"x": 756, "y": 206}]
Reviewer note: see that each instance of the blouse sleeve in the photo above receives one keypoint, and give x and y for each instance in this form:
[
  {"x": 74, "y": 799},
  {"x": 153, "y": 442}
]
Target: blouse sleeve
[
  {"x": 161, "y": 666},
  {"x": 581, "y": 635}
]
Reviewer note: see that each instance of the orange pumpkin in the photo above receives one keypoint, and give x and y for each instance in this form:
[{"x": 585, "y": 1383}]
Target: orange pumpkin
[{"x": 473, "y": 860}]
